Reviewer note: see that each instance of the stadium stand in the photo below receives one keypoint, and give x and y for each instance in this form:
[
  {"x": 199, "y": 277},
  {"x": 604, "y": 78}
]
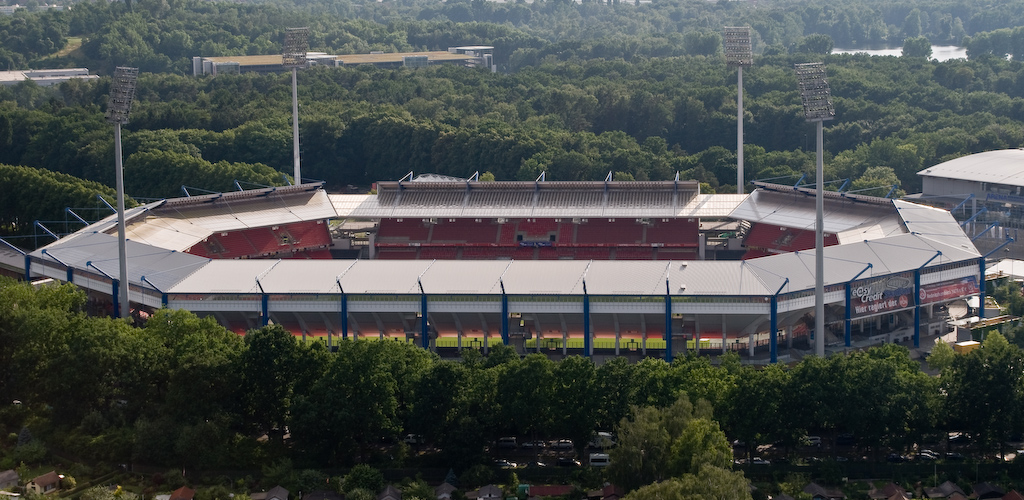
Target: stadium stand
[
  {"x": 439, "y": 253},
  {"x": 464, "y": 231},
  {"x": 402, "y": 230},
  {"x": 396, "y": 253},
  {"x": 673, "y": 231},
  {"x": 609, "y": 232},
  {"x": 767, "y": 239}
]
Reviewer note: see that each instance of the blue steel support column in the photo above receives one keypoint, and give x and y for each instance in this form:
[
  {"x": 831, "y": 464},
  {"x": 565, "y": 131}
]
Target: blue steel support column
[
  {"x": 917, "y": 308},
  {"x": 504, "y": 318},
  {"x": 424, "y": 327},
  {"x": 981, "y": 288},
  {"x": 847, "y": 326},
  {"x": 344, "y": 316},
  {"x": 265, "y": 309},
  {"x": 71, "y": 275},
  {"x": 28, "y": 268},
  {"x": 668, "y": 323},
  {"x": 773, "y": 332},
  {"x": 586, "y": 325},
  {"x": 115, "y": 296}
]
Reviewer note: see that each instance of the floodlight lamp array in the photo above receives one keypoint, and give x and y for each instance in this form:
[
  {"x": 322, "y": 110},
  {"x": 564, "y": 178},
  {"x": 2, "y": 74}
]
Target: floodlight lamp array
[
  {"x": 296, "y": 44},
  {"x": 738, "y": 50},
  {"x": 814, "y": 92},
  {"x": 122, "y": 93}
]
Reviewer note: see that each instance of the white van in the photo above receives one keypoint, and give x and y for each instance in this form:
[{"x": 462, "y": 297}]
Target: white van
[{"x": 599, "y": 460}]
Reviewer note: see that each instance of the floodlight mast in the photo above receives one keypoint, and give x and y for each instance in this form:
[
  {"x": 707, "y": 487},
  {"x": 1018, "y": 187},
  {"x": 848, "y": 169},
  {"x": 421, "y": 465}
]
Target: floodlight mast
[
  {"x": 816, "y": 97},
  {"x": 296, "y": 44},
  {"x": 738, "y": 53},
  {"x": 119, "y": 106}
]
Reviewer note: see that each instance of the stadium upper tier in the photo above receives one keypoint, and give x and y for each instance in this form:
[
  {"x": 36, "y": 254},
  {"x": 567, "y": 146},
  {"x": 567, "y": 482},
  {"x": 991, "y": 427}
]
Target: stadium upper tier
[{"x": 536, "y": 199}]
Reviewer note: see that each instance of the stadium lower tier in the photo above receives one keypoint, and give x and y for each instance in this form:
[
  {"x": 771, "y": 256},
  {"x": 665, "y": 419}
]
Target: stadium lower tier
[{"x": 568, "y": 333}]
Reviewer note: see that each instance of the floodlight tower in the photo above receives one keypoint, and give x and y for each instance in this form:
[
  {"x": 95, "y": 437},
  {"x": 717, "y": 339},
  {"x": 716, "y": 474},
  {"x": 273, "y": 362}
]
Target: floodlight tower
[
  {"x": 122, "y": 93},
  {"x": 817, "y": 100},
  {"x": 296, "y": 43},
  {"x": 739, "y": 54}
]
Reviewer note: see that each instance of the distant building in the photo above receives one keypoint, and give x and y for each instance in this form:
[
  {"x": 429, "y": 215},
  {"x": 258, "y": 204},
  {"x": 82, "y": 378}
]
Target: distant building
[
  {"x": 8, "y": 479},
  {"x": 45, "y": 484},
  {"x": 45, "y": 77},
  {"x": 473, "y": 56}
]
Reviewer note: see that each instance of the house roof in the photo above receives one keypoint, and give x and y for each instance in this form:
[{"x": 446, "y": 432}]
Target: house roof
[
  {"x": 321, "y": 495},
  {"x": 550, "y": 490},
  {"x": 944, "y": 490},
  {"x": 488, "y": 491},
  {"x": 48, "y": 478},
  {"x": 390, "y": 492},
  {"x": 987, "y": 490},
  {"x": 890, "y": 491},
  {"x": 818, "y": 491},
  {"x": 1013, "y": 495},
  {"x": 183, "y": 493},
  {"x": 277, "y": 492},
  {"x": 444, "y": 489}
]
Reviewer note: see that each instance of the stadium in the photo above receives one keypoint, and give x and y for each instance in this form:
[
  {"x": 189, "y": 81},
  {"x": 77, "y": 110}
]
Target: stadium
[{"x": 600, "y": 269}]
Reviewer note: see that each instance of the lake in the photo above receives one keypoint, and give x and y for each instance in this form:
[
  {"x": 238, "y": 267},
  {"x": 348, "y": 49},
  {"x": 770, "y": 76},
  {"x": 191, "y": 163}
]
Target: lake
[{"x": 939, "y": 52}]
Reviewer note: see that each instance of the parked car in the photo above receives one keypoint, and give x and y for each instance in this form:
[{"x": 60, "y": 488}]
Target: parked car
[
  {"x": 814, "y": 441},
  {"x": 568, "y": 462},
  {"x": 954, "y": 456},
  {"x": 895, "y": 458},
  {"x": 536, "y": 464},
  {"x": 533, "y": 445},
  {"x": 760, "y": 461},
  {"x": 563, "y": 444},
  {"x": 413, "y": 439},
  {"x": 507, "y": 443},
  {"x": 505, "y": 464}
]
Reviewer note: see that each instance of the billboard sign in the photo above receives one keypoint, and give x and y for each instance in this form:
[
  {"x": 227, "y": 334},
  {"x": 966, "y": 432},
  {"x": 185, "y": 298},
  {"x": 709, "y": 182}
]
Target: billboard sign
[
  {"x": 881, "y": 295},
  {"x": 948, "y": 290}
]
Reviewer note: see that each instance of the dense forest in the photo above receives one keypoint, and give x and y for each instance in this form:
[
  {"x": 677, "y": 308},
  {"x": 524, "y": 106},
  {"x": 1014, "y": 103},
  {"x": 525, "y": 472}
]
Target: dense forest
[
  {"x": 641, "y": 91},
  {"x": 180, "y": 391}
]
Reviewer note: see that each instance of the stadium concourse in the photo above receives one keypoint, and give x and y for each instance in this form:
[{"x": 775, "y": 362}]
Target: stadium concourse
[{"x": 593, "y": 268}]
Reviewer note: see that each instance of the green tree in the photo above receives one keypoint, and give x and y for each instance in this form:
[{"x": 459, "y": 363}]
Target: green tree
[
  {"x": 917, "y": 47},
  {"x": 363, "y": 476},
  {"x": 709, "y": 483},
  {"x": 657, "y": 444},
  {"x": 268, "y": 366}
]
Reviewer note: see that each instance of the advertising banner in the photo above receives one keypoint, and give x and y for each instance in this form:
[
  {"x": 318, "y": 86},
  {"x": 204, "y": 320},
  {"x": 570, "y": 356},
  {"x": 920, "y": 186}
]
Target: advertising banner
[
  {"x": 948, "y": 290},
  {"x": 881, "y": 295}
]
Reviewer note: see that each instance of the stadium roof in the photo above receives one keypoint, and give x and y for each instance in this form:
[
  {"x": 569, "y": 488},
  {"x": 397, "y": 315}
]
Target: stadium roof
[
  {"x": 180, "y": 223},
  {"x": 758, "y": 277},
  {"x": 997, "y": 167},
  {"x": 930, "y": 237},
  {"x": 434, "y": 197},
  {"x": 851, "y": 217}
]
